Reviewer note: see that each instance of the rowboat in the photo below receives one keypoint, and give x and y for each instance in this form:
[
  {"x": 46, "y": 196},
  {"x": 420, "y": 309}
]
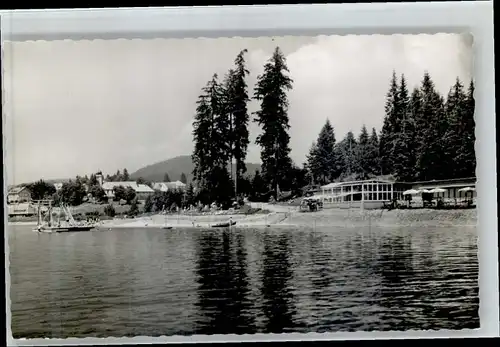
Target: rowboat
[{"x": 224, "y": 225}]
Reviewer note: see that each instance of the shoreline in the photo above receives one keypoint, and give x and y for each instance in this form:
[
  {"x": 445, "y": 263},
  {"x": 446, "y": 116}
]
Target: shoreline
[{"x": 294, "y": 218}]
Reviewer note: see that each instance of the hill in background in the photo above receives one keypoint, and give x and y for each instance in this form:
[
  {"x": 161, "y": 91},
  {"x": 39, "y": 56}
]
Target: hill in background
[{"x": 175, "y": 167}]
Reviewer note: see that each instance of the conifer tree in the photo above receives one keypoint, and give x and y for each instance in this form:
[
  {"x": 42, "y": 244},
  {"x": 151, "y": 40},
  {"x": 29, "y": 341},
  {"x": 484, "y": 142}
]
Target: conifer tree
[
  {"x": 469, "y": 137},
  {"x": 125, "y": 175},
  {"x": 404, "y": 152},
  {"x": 210, "y": 135},
  {"x": 322, "y": 161},
  {"x": 183, "y": 178},
  {"x": 166, "y": 177},
  {"x": 312, "y": 164},
  {"x": 455, "y": 107},
  {"x": 431, "y": 162},
  {"x": 389, "y": 127},
  {"x": 202, "y": 134},
  {"x": 238, "y": 101},
  {"x": 363, "y": 154},
  {"x": 258, "y": 184},
  {"x": 190, "y": 195},
  {"x": 373, "y": 154},
  {"x": 346, "y": 152},
  {"x": 274, "y": 140}
]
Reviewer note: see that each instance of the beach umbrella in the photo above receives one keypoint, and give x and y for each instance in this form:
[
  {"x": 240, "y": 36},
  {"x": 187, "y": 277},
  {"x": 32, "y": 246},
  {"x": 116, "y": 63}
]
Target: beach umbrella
[
  {"x": 438, "y": 190},
  {"x": 410, "y": 192},
  {"x": 467, "y": 189},
  {"x": 425, "y": 191}
]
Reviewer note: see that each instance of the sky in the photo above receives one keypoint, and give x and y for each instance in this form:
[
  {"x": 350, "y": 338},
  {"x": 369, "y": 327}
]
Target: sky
[{"x": 75, "y": 107}]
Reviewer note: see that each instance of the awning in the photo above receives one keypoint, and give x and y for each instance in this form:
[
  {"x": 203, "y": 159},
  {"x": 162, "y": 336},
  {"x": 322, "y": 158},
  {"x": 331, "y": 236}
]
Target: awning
[
  {"x": 437, "y": 190},
  {"x": 411, "y": 192}
]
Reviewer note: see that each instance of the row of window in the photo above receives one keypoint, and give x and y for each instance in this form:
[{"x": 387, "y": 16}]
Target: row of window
[
  {"x": 368, "y": 187},
  {"x": 381, "y": 196}
]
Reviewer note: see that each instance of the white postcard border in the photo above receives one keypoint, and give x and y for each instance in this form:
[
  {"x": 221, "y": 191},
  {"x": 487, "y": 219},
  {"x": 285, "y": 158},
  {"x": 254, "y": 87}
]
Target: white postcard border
[{"x": 475, "y": 17}]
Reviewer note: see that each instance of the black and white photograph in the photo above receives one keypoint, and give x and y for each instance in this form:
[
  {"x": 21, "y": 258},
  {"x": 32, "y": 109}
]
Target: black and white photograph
[{"x": 241, "y": 185}]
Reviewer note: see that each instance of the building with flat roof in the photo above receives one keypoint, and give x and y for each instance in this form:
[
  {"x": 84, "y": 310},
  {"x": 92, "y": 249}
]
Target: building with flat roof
[
  {"x": 375, "y": 193},
  {"x": 367, "y": 194}
]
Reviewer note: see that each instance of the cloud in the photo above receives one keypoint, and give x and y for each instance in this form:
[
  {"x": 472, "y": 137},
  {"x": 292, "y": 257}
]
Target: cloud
[{"x": 73, "y": 107}]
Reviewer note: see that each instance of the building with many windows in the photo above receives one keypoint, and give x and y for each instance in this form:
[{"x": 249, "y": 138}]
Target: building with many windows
[
  {"x": 368, "y": 194},
  {"x": 375, "y": 193}
]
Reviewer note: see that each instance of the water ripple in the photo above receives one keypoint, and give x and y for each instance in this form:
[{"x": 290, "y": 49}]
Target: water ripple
[{"x": 152, "y": 282}]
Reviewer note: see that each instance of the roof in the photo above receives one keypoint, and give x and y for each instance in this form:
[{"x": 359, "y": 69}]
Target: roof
[
  {"x": 176, "y": 184},
  {"x": 450, "y": 181},
  {"x": 161, "y": 186},
  {"x": 165, "y": 186},
  {"x": 17, "y": 190},
  {"x": 444, "y": 186},
  {"x": 138, "y": 188},
  {"x": 339, "y": 184}
]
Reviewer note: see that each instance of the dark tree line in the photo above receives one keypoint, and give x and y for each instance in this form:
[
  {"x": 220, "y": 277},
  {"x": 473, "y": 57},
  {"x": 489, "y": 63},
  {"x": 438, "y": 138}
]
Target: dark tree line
[
  {"x": 424, "y": 137},
  {"x": 221, "y": 133}
]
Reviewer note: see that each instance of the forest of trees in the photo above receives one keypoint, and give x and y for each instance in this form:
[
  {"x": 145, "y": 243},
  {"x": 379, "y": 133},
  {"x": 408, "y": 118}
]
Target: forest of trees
[
  {"x": 424, "y": 137},
  {"x": 221, "y": 133}
]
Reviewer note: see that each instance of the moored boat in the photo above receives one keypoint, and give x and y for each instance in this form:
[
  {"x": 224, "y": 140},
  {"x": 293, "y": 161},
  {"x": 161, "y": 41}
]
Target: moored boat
[
  {"x": 224, "y": 225},
  {"x": 52, "y": 226}
]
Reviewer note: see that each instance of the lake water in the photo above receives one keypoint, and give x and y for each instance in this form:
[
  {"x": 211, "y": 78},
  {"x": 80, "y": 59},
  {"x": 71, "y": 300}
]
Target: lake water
[{"x": 129, "y": 282}]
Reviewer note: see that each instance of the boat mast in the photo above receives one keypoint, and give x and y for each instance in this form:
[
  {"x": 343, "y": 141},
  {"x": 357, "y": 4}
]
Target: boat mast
[
  {"x": 50, "y": 213},
  {"x": 38, "y": 215},
  {"x": 69, "y": 215}
]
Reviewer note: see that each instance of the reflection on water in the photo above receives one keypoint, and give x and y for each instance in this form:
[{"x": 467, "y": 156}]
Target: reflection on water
[
  {"x": 276, "y": 291},
  {"x": 156, "y": 282},
  {"x": 223, "y": 301}
]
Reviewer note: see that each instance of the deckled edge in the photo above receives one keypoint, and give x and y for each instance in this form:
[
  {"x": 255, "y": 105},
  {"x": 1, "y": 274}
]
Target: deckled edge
[{"x": 489, "y": 222}]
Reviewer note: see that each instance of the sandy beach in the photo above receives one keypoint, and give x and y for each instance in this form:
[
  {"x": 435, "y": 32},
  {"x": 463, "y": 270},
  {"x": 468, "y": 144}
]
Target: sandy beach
[{"x": 283, "y": 216}]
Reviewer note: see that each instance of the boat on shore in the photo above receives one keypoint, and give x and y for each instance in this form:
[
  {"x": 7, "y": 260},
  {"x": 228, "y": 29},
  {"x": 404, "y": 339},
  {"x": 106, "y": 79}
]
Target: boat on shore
[
  {"x": 224, "y": 225},
  {"x": 52, "y": 226}
]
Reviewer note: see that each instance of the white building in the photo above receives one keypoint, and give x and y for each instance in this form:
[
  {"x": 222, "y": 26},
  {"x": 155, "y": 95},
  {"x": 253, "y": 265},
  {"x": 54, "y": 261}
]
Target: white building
[
  {"x": 166, "y": 186},
  {"x": 374, "y": 193},
  {"x": 368, "y": 194},
  {"x": 142, "y": 191}
]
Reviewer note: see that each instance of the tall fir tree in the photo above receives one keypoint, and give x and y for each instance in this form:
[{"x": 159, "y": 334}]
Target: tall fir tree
[
  {"x": 455, "y": 107},
  {"x": 431, "y": 162},
  {"x": 390, "y": 126},
  {"x": 210, "y": 135},
  {"x": 404, "y": 152},
  {"x": 346, "y": 152},
  {"x": 322, "y": 160},
  {"x": 312, "y": 164},
  {"x": 202, "y": 131},
  {"x": 274, "y": 140},
  {"x": 469, "y": 135},
  {"x": 363, "y": 154},
  {"x": 373, "y": 154},
  {"x": 239, "y": 112}
]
